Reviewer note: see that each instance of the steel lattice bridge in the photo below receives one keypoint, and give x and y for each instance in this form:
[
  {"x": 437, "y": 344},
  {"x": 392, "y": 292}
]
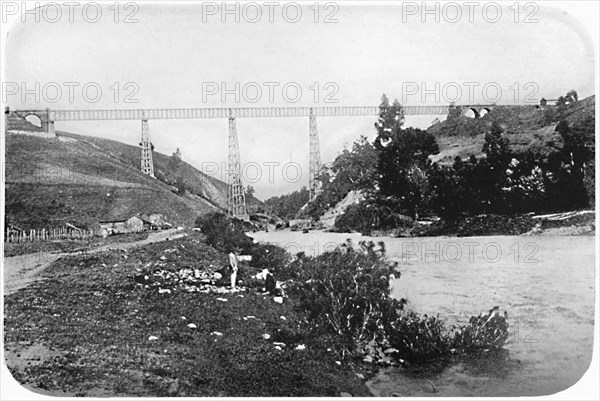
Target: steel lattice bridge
[{"x": 236, "y": 195}]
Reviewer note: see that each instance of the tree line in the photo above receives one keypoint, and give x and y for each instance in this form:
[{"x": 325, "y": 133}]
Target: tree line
[{"x": 400, "y": 183}]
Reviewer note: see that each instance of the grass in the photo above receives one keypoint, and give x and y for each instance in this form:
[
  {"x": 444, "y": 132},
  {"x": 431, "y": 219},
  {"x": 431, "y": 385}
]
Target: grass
[
  {"x": 68, "y": 179},
  {"x": 90, "y": 310}
]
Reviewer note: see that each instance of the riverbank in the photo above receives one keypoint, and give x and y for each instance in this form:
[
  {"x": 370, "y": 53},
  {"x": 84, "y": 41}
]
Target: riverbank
[
  {"x": 567, "y": 223},
  {"x": 545, "y": 283},
  {"x": 90, "y": 329}
]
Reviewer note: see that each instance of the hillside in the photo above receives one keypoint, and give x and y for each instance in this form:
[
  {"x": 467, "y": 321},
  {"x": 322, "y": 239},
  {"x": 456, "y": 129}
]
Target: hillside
[
  {"x": 526, "y": 127},
  {"x": 81, "y": 180}
]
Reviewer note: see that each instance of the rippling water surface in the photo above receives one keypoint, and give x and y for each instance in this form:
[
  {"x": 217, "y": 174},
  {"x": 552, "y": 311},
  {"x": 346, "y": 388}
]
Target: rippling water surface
[{"x": 546, "y": 284}]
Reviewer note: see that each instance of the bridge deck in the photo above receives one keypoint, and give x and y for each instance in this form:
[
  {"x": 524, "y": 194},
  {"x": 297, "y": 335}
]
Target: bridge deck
[{"x": 166, "y": 114}]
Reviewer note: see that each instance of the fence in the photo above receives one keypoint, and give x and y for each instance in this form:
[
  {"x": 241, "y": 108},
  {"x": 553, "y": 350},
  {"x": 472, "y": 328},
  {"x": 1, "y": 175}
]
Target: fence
[{"x": 45, "y": 235}]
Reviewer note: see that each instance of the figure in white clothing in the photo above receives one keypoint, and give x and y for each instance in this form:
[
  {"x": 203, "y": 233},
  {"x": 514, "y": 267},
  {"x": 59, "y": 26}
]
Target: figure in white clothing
[{"x": 234, "y": 268}]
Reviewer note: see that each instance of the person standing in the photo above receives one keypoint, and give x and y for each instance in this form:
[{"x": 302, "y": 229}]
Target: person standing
[{"x": 234, "y": 268}]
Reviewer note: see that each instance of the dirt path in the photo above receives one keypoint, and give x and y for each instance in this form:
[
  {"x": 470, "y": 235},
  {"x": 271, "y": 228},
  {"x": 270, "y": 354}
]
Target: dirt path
[{"x": 20, "y": 271}]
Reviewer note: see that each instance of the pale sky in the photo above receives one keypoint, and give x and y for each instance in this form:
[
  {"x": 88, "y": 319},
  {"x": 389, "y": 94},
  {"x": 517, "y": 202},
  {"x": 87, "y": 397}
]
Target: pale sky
[{"x": 170, "y": 53}]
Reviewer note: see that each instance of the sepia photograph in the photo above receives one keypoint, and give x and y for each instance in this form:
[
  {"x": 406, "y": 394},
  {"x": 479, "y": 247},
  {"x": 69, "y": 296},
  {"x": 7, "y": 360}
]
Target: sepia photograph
[{"x": 299, "y": 199}]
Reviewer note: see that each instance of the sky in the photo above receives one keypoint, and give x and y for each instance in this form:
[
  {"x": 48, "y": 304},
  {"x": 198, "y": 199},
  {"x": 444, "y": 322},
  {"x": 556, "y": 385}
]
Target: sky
[{"x": 184, "y": 55}]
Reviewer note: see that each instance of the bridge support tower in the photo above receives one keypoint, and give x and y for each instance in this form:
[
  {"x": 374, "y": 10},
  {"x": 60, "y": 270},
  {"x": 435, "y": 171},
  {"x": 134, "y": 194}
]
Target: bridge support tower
[
  {"x": 147, "y": 164},
  {"x": 236, "y": 196},
  {"x": 314, "y": 185}
]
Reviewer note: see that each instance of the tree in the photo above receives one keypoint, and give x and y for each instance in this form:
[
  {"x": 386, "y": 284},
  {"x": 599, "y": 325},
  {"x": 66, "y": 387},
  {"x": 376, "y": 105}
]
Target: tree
[
  {"x": 572, "y": 96},
  {"x": 288, "y": 206},
  {"x": 175, "y": 160},
  {"x": 354, "y": 169},
  {"x": 402, "y": 163},
  {"x": 391, "y": 119},
  {"x": 250, "y": 190},
  {"x": 180, "y": 185},
  {"x": 496, "y": 147}
]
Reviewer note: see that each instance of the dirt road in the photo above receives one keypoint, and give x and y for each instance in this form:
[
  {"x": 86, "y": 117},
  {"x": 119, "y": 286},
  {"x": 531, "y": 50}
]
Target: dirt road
[{"x": 22, "y": 270}]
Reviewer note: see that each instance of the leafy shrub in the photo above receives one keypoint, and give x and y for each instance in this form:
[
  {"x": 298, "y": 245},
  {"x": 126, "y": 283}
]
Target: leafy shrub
[
  {"x": 421, "y": 338},
  {"x": 267, "y": 256},
  {"x": 223, "y": 233},
  {"x": 484, "y": 332},
  {"x": 344, "y": 292},
  {"x": 418, "y": 338},
  {"x": 345, "y": 297},
  {"x": 365, "y": 217}
]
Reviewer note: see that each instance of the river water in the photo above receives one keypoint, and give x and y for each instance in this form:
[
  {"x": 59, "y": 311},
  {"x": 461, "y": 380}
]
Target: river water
[{"x": 545, "y": 283}]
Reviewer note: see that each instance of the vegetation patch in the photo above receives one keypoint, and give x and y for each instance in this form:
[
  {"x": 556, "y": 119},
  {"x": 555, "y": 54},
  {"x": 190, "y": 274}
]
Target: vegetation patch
[{"x": 114, "y": 334}]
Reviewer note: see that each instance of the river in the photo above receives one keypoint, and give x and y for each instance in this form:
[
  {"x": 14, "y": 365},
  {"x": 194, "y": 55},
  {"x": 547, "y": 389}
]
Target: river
[{"x": 545, "y": 283}]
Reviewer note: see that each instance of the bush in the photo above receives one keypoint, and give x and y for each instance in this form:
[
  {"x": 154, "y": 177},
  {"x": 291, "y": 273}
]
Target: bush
[
  {"x": 422, "y": 339},
  {"x": 267, "y": 256},
  {"x": 418, "y": 338},
  {"x": 365, "y": 217},
  {"x": 484, "y": 332},
  {"x": 344, "y": 292},
  {"x": 223, "y": 233},
  {"x": 345, "y": 297}
]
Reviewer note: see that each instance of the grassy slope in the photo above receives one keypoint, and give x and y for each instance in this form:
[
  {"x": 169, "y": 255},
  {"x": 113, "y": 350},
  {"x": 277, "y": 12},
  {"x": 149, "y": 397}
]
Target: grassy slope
[
  {"x": 92, "y": 323},
  {"x": 523, "y": 125},
  {"x": 81, "y": 180},
  {"x": 196, "y": 182}
]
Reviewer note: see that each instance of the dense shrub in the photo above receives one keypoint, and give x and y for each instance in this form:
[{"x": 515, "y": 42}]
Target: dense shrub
[
  {"x": 421, "y": 339},
  {"x": 344, "y": 292},
  {"x": 345, "y": 297},
  {"x": 223, "y": 233},
  {"x": 366, "y": 217},
  {"x": 267, "y": 256},
  {"x": 484, "y": 332},
  {"x": 418, "y": 338}
]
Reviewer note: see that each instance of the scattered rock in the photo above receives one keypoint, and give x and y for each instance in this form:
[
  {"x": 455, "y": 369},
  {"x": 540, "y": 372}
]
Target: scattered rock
[
  {"x": 222, "y": 299},
  {"x": 192, "y": 326},
  {"x": 360, "y": 376},
  {"x": 345, "y": 395},
  {"x": 152, "y": 338},
  {"x": 300, "y": 347},
  {"x": 174, "y": 387},
  {"x": 279, "y": 300},
  {"x": 266, "y": 336},
  {"x": 216, "y": 333}
]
